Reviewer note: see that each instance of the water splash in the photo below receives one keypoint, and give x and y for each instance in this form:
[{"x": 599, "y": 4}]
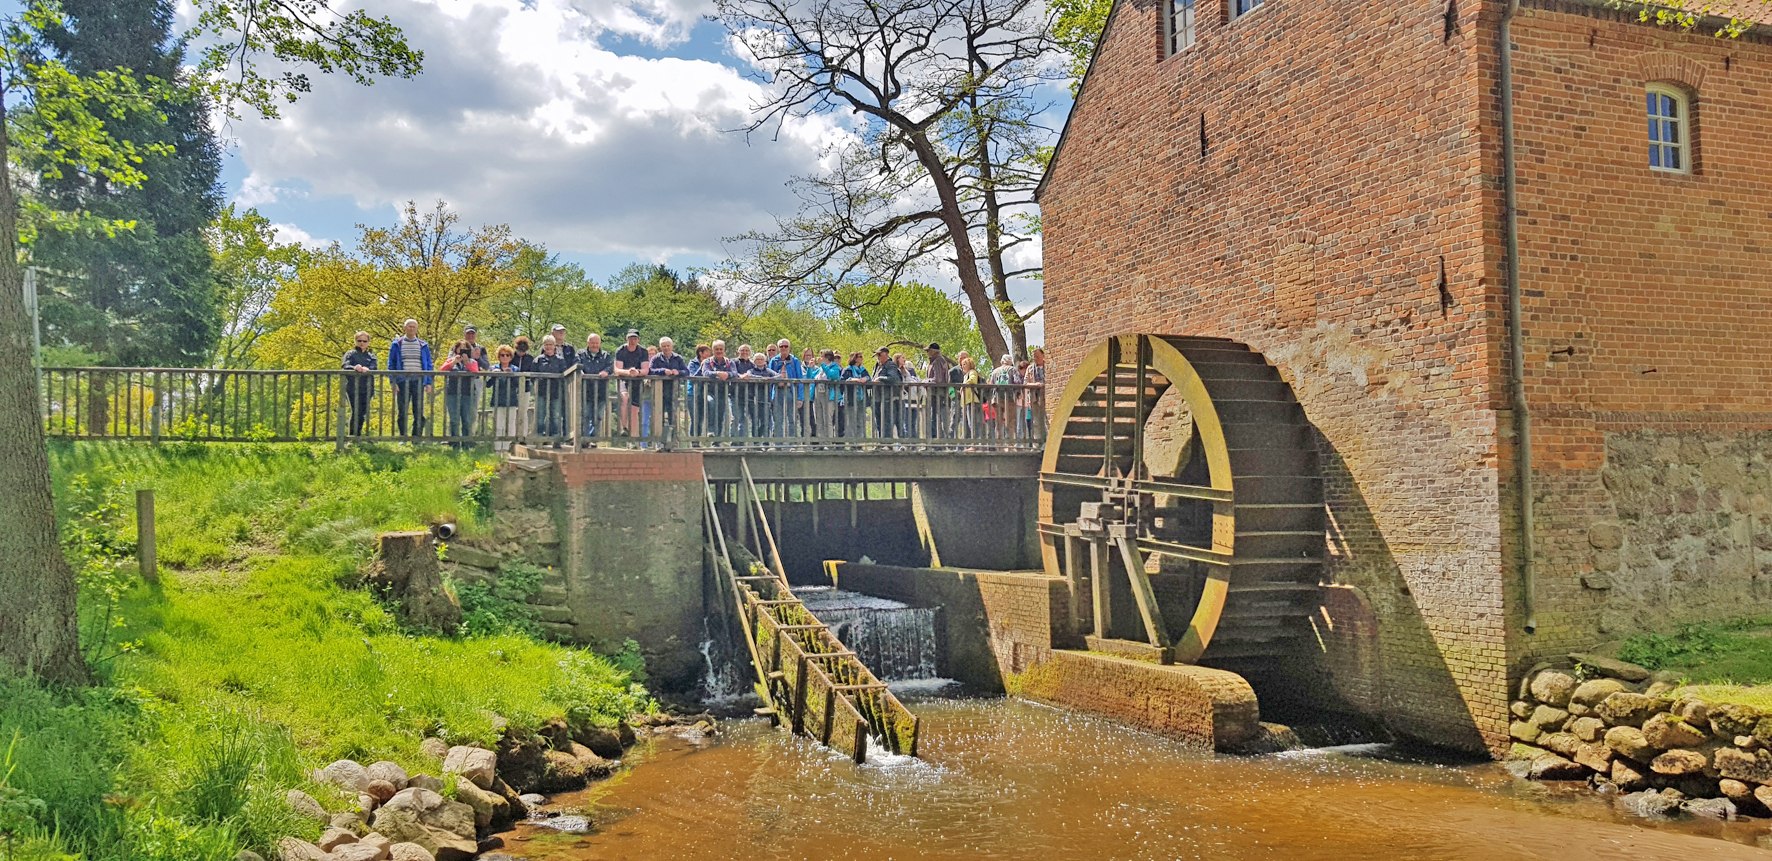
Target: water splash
[
  {"x": 895, "y": 640},
  {"x": 723, "y": 681}
]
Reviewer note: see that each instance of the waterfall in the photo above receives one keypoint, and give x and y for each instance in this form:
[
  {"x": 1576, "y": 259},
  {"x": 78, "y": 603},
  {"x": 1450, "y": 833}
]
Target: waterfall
[
  {"x": 894, "y": 639},
  {"x": 723, "y": 679}
]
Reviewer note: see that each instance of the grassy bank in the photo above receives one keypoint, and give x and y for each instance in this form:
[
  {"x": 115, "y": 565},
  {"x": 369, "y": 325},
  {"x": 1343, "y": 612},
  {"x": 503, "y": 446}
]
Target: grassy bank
[
  {"x": 254, "y": 661},
  {"x": 1724, "y": 661}
]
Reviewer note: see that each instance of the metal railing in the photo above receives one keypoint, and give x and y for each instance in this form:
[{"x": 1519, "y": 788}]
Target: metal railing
[{"x": 502, "y": 408}]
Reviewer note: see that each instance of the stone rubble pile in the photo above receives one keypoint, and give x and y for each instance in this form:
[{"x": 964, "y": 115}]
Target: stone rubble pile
[
  {"x": 401, "y": 817},
  {"x": 1623, "y": 730}
]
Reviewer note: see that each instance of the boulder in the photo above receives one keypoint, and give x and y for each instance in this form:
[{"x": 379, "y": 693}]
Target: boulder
[
  {"x": 1763, "y": 730},
  {"x": 295, "y": 849},
  {"x": 1548, "y": 718},
  {"x": 351, "y": 822},
  {"x": 434, "y": 748},
  {"x": 597, "y": 766},
  {"x": 1628, "y": 775},
  {"x": 1552, "y": 687},
  {"x": 625, "y": 733},
  {"x": 1679, "y": 763},
  {"x": 1588, "y": 728},
  {"x": 425, "y": 781},
  {"x": 489, "y": 807},
  {"x": 377, "y": 840},
  {"x": 1627, "y": 709},
  {"x": 605, "y": 743},
  {"x": 367, "y": 803},
  {"x": 1611, "y": 668},
  {"x": 1747, "y": 742},
  {"x": 380, "y": 790},
  {"x": 532, "y": 799},
  {"x": 409, "y": 852},
  {"x": 1594, "y": 755},
  {"x": 305, "y": 806},
  {"x": 1650, "y": 804},
  {"x": 422, "y": 807},
  {"x": 345, "y": 774},
  {"x": 1735, "y": 790},
  {"x": 1693, "y": 711},
  {"x": 1728, "y": 720},
  {"x": 513, "y": 799},
  {"x": 1591, "y": 693},
  {"x": 1663, "y": 731},
  {"x": 1709, "y": 808},
  {"x": 521, "y": 758},
  {"x": 1763, "y": 794},
  {"x": 1747, "y": 766},
  {"x": 563, "y": 772},
  {"x": 1559, "y": 742},
  {"x": 359, "y": 852},
  {"x": 1523, "y": 731},
  {"x": 390, "y": 772},
  {"x": 248, "y": 855},
  {"x": 334, "y": 838},
  {"x": 1553, "y": 767},
  {"x": 1520, "y": 709},
  {"x": 474, "y": 763},
  {"x": 1628, "y": 742}
]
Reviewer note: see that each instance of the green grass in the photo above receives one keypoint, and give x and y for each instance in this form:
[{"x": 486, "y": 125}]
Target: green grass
[
  {"x": 1727, "y": 661},
  {"x": 255, "y": 662}
]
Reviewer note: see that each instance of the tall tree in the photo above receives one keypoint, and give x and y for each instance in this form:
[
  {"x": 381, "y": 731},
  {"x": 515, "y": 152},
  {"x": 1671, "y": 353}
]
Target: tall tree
[
  {"x": 50, "y": 112},
  {"x": 425, "y": 268},
  {"x": 144, "y": 295},
  {"x": 249, "y": 265},
  {"x": 944, "y": 157}
]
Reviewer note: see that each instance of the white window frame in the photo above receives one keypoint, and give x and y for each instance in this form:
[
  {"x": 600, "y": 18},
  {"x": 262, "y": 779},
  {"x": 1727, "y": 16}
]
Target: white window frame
[
  {"x": 1682, "y": 123},
  {"x": 1247, "y": 6},
  {"x": 1176, "y": 39}
]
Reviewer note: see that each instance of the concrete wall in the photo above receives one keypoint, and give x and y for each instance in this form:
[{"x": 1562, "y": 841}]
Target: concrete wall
[
  {"x": 978, "y": 524},
  {"x": 620, "y": 537}
]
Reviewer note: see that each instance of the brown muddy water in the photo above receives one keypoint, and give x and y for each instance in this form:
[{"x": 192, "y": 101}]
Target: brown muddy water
[{"x": 1003, "y": 779}]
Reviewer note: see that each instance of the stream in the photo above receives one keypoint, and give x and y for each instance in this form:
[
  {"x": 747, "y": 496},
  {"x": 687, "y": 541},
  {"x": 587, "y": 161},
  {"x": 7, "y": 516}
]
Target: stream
[{"x": 1007, "y": 779}]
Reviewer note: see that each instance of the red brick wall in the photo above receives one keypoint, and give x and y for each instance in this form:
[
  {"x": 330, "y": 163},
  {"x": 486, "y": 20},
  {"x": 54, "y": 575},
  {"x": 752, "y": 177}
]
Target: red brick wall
[
  {"x": 1343, "y": 174},
  {"x": 582, "y": 468},
  {"x": 1647, "y": 299}
]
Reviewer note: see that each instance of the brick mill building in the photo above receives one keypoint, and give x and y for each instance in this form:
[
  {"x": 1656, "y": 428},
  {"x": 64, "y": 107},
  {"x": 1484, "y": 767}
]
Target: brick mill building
[{"x": 1328, "y": 182}]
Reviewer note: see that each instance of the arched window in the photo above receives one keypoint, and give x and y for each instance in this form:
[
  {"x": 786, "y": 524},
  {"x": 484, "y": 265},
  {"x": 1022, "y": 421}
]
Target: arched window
[
  {"x": 1670, "y": 128},
  {"x": 1178, "y": 26}
]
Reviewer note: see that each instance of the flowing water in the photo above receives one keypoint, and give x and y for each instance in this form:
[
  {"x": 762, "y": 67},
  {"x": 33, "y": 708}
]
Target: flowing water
[
  {"x": 895, "y": 640},
  {"x": 1004, "y": 779}
]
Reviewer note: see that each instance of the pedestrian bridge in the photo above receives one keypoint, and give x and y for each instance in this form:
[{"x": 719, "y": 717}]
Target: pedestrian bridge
[{"x": 791, "y": 430}]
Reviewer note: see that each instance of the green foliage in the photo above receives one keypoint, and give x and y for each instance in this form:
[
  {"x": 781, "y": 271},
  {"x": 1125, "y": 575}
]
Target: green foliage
[
  {"x": 296, "y": 34},
  {"x": 248, "y": 263},
  {"x": 476, "y": 489},
  {"x": 1077, "y": 26},
  {"x": 101, "y": 553},
  {"x": 1738, "y": 651},
  {"x": 501, "y": 607},
  {"x": 1731, "y": 19}
]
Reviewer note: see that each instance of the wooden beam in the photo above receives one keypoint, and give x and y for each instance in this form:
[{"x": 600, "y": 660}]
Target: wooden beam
[{"x": 1142, "y": 594}]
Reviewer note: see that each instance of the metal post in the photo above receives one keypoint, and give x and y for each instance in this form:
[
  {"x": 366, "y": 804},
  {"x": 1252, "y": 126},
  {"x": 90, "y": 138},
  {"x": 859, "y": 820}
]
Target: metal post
[{"x": 144, "y": 536}]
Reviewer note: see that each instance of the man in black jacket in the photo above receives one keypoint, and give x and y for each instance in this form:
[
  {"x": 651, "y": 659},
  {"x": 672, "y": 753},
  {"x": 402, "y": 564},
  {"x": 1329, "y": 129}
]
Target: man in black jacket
[
  {"x": 887, "y": 408},
  {"x": 550, "y": 390},
  {"x": 359, "y": 386},
  {"x": 595, "y": 367}
]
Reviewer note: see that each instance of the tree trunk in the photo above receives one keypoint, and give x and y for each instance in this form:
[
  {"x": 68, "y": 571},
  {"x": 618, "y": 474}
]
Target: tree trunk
[
  {"x": 965, "y": 259},
  {"x": 38, "y": 631}
]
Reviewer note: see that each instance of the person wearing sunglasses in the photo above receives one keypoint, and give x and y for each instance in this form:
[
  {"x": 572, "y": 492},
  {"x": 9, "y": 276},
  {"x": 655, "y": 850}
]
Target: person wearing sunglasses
[{"x": 359, "y": 385}]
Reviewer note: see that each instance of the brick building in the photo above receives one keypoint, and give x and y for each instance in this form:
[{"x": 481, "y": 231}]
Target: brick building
[{"x": 1326, "y": 182}]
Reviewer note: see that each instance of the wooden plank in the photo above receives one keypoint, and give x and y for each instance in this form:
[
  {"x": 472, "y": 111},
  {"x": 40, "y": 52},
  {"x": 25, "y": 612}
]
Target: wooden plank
[
  {"x": 800, "y": 687},
  {"x": 1142, "y": 594},
  {"x": 144, "y": 536},
  {"x": 1098, "y": 582}
]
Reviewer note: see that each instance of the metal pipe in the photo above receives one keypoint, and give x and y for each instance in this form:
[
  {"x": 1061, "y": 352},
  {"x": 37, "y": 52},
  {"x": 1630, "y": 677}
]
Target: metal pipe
[{"x": 1516, "y": 326}]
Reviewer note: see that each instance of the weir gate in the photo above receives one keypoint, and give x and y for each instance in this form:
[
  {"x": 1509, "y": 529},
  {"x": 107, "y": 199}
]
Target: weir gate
[{"x": 1148, "y": 557}]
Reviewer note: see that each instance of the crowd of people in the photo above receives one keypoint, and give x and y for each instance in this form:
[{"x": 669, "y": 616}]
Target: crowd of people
[{"x": 715, "y": 392}]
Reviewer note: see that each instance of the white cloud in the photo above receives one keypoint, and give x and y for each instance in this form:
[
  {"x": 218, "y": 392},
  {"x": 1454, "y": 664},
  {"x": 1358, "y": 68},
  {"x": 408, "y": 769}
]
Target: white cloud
[
  {"x": 524, "y": 116},
  {"x": 289, "y": 233}
]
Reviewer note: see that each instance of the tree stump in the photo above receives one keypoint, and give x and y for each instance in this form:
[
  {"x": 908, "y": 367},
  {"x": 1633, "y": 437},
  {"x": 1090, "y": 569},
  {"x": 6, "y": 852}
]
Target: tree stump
[{"x": 406, "y": 573}]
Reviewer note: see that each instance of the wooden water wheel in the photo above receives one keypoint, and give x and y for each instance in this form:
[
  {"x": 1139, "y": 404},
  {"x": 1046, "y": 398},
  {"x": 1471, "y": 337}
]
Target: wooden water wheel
[{"x": 1180, "y": 481}]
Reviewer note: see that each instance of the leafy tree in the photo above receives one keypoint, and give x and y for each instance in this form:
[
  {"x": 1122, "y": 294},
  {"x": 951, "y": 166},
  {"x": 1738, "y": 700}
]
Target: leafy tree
[
  {"x": 249, "y": 265},
  {"x": 659, "y": 302},
  {"x": 425, "y": 268},
  {"x": 944, "y": 158},
  {"x": 140, "y": 296},
  {"x": 60, "y": 121},
  {"x": 910, "y": 314},
  {"x": 1077, "y": 25},
  {"x": 546, "y": 292}
]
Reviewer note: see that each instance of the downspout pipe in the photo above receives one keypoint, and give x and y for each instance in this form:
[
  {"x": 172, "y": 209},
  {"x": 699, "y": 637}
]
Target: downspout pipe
[{"x": 1516, "y": 328}]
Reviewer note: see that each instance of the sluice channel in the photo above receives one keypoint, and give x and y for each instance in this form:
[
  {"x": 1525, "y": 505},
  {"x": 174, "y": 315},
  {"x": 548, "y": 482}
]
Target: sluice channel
[{"x": 894, "y": 639}]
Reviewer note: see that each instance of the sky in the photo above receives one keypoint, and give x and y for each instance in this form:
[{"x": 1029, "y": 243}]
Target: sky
[{"x": 600, "y": 128}]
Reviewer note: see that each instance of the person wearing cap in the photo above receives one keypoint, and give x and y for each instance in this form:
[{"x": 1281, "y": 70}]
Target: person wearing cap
[
  {"x": 471, "y": 336},
  {"x": 564, "y": 346},
  {"x": 630, "y": 362},
  {"x": 412, "y": 355},
  {"x": 887, "y": 406},
  {"x": 595, "y": 366},
  {"x": 942, "y": 423},
  {"x": 359, "y": 385}
]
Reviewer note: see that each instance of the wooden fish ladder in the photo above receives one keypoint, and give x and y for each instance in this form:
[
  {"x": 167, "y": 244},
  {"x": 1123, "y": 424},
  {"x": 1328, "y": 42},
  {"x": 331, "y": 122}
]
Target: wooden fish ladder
[{"x": 810, "y": 683}]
